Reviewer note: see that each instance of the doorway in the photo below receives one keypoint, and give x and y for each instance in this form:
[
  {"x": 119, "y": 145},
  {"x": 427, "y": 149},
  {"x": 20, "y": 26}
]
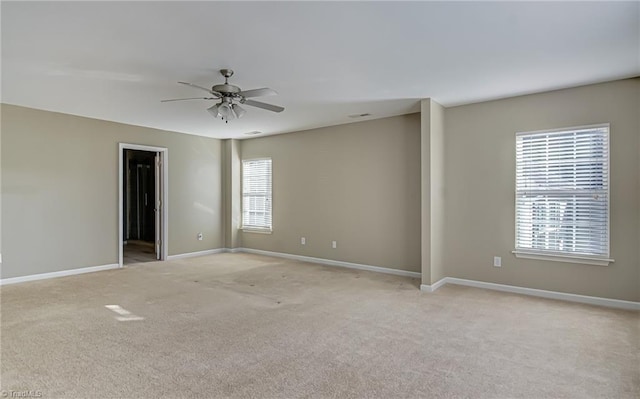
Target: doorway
[{"x": 142, "y": 199}]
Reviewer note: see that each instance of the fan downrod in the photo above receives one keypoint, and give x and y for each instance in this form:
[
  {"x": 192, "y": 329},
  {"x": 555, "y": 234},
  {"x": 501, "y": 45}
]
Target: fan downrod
[{"x": 227, "y": 73}]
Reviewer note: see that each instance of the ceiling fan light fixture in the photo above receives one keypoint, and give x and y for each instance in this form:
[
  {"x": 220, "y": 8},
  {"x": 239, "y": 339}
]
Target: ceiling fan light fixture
[
  {"x": 238, "y": 111},
  {"x": 225, "y": 112},
  {"x": 213, "y": 110}
]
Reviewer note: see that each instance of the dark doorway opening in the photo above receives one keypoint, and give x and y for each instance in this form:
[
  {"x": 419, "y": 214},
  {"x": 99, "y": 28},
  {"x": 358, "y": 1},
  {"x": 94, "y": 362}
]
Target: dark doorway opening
[{"x": 139, "y": 200}]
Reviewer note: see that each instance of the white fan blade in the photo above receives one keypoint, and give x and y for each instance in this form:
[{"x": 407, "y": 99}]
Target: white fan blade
[
  {"x": 191, "y": 98},
  {"x": 265, "y": 91},
  {"x": 269, "y": 107},
  {"x": 201, "y": 88}
]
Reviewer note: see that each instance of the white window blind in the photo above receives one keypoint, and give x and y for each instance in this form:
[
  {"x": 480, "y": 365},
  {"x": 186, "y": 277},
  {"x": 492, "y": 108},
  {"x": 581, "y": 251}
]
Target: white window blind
[
  {"x": 562, "y": 191},
  {"x": 256, "y": 194}
]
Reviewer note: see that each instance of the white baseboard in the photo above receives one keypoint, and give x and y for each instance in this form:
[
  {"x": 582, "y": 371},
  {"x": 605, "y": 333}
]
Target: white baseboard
[
  {"x": 199, "y": 253},
  {"x": 427, "y": 288},
  {"x": 591, "y": 300},
  {"x": 434, "y": 286},
  {"x": 62, "y": 273},
  {"x": 233, "y": 250},
  {"x": 330, "y": 262}
]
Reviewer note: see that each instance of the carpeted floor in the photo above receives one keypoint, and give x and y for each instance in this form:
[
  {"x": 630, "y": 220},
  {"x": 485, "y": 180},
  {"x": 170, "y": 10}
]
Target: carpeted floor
[{"x": 247, "y": 326}]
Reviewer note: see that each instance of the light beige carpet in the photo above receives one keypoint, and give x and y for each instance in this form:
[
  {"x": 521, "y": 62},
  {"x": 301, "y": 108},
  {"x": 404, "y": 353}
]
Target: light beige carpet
[{"x": 238, "y": 325}]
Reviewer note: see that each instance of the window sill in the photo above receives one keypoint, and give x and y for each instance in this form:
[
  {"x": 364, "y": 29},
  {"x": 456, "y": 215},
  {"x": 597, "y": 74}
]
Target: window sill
[
  {"x": 562, "y": 258},
  {"x": 257, "y": 231}
]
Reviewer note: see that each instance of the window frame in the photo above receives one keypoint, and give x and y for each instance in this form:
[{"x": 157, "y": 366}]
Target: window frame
[
  {"x": 558, "y": 256},
  {"x": 255, "y": 229}
]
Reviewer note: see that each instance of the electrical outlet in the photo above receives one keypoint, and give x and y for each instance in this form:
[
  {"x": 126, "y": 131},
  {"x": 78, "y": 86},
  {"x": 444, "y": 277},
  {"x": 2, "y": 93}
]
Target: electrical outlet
[
  {"x": 334, "y": 244},
  {"x": 199, "y": 236},
  {"x": 497, "y": 261},
  {"x": 303, "y": 241}
]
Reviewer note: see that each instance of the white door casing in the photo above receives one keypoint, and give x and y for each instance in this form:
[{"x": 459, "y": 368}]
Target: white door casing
[
  {"x": 157, "y": 210},
  {"x": 162, "y": 198}
]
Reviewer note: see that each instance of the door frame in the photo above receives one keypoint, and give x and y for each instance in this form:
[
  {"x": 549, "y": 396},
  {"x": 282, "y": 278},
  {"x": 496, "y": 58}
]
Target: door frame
[{"x": 164, "y": 215}]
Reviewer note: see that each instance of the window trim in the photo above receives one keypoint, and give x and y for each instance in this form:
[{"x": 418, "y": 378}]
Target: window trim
[
  {"x": 561, "y": 257},
  {"x": 256, "y": 230},
  {"x": 554, "y": 256},
  {"x": 253, "y": 229}
]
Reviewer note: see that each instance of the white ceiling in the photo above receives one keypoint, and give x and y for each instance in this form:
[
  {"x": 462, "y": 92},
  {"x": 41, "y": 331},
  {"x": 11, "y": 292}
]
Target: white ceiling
[{"x": 327, "y": 60}]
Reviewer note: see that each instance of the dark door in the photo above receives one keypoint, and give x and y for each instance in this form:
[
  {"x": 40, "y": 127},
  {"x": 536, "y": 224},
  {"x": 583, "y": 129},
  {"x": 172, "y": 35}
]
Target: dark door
[{"x": 140, "y": 192}]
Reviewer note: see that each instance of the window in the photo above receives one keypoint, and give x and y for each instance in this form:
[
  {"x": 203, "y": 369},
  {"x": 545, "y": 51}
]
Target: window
[
  {"x": 256, "y": 194},
  {"x": 562, "y": 194}
]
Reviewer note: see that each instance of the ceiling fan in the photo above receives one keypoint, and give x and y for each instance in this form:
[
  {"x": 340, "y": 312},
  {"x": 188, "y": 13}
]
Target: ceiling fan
[{"x": 230, "y": 97}]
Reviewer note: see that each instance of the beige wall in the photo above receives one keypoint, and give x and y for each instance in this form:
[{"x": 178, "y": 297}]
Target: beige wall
[
  {"x": 0, "y": 191},
  {"x": 231, "y": 193},
  {"x": 437, "y": 201},
  {"x": 60, "y": 190},
  {"x": 358, "y": 184},
  {"x": 479, "y": 188},
  {"x": 432, "y": 132},
  {"x": 425, "y": 190}
]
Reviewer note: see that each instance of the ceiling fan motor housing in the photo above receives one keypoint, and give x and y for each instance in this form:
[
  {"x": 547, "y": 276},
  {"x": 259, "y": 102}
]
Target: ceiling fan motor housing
[{"x": 226, "y": 89}]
